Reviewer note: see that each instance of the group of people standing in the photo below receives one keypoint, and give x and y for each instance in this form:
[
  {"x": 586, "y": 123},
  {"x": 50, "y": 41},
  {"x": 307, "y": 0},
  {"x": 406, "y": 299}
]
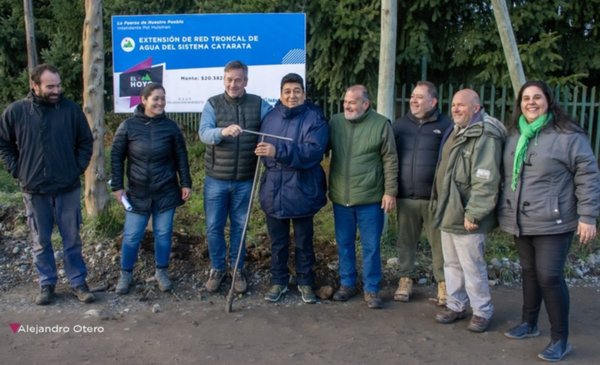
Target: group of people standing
[{"x": 455, "y": 178}]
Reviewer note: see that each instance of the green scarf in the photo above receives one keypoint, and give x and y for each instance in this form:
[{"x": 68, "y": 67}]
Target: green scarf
[{"x": 528, "y": 130}]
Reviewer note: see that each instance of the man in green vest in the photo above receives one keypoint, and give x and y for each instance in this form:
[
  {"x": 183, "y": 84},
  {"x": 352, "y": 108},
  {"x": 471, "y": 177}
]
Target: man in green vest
[
  {"x": 363, "y": 187},
  {"x": 229, "y": 165}
]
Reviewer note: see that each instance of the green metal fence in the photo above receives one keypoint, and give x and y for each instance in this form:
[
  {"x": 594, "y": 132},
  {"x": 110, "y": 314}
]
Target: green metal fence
[{"x": 582, "y": 103}]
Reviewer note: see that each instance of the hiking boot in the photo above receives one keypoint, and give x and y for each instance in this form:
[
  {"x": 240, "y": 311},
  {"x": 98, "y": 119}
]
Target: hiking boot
[
  {"x": 441, "y": 294},
  {"x": 240, "y": 285},
  {"x": 83, "y": 294},
  {"x": 373, "y": 300},
  {"x": 447, "y": 316},
  {"x": 162, "y": 278},
  {"x": 344, "y": 293},
  {"x": 124, "y": 282},
  {"x": 556, "y": 350},
  {"x": 524, "y": 330},
  {"x": 308, "y": 295},
  {"x": 404, "y": 290},
  {"x": 46, "y": 295},
  {"x": 478, "y": 324},
  {"x": 215, "y": 278},
  {"x": 275, "y": 293}
]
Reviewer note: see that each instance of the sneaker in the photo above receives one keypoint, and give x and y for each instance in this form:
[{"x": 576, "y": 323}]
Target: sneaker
[
  {"x": 215, "y": 278},
  {"x": 556, "y": 350},
  {"x": 441, "y": 294},
  {"x": 478, "y": 324},
  {"x": 344, "y": 293},
  {"x": 124, "y": 282},
  {"x": 308, "y": 295},
  {"x": 404, "y": 290},
  {"x": 275, "y": 293},
  {"x": 524, "y": 330},
  {"x": 373, "y": 300},
  {"x": 83, "y": 294},
  {"x": 240, "y": 285},
  {"x": 447, "y": 316},
  {"x": 46, "y": 295},
  {"x": 162, "y": 278}
]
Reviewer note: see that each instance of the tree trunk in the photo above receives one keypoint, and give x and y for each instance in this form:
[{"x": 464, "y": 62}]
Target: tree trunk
[
  {"x": 96, "y": 194},
  {"x": 32, "y": 59},
  {"x": 509, "y": 44},
  {"x": 387, "y": 59}
]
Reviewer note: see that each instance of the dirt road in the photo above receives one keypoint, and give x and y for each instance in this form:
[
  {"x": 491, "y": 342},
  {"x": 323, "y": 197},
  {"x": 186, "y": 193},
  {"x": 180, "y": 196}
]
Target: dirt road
[{"x": 164, "y": 330}]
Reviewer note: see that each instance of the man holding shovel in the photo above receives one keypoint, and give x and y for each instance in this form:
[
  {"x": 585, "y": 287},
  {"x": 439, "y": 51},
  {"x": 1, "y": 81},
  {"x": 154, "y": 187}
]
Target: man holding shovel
[{"x": 229, "y": 168}]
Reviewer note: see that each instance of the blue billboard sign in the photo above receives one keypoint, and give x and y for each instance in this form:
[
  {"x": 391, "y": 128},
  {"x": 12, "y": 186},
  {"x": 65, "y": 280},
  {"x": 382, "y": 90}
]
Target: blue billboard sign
[{"x": 187, "y": 53}]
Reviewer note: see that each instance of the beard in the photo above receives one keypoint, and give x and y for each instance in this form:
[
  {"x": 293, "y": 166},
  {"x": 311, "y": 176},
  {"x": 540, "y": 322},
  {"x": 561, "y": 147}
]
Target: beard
[{"x": 50, "y": 98}]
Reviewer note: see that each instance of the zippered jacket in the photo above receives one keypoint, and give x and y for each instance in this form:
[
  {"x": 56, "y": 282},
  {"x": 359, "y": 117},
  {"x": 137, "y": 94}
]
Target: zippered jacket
[
  {"x": 364, "y": 163},
  {"x": 471, "y": 181},
  {"x": 558, "y": 186},
  {"x": 157, "y": 162},
  {"x": 418, "y": 144},
  {"x": 45, "y": 146},
  {"x": 293, "y": 184}
]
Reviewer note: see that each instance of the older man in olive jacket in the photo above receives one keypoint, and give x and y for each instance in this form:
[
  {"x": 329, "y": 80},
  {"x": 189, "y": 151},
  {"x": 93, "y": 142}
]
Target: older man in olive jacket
[
  {"x": 465, "y": 194},
  {"x": 362, "y": 186}
]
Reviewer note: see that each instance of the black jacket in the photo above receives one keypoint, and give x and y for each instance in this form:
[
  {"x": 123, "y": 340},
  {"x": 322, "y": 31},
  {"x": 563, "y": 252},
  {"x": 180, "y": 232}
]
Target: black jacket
[
  {"x": 418, "y": 145},
  {"x": 156, "y": 154},
  {"x": 46, "y": 146}
]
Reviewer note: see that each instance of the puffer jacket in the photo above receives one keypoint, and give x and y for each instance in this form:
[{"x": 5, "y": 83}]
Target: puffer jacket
[
  {"x": 364, "y": 163},
  {"x": 46, "y": 146},
  {"x": 472, "y": 178},
  {"x": 418, "y": 145},
  {"x": 559, "y": 184},
  {"x": 157, "y": 162},
  {"x": 293, "y": 184}
]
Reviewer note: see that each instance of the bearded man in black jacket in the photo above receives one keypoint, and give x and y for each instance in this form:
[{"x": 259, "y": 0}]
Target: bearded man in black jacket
[{"x": 46, "y": 143}]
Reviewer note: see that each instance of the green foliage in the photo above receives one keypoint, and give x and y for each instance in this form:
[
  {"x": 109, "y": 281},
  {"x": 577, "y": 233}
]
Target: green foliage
[{"x": 343, "y": 44}]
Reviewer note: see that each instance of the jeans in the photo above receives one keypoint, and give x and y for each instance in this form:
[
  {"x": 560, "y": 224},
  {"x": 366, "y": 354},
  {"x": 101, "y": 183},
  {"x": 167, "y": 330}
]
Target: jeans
[
  {"x": 465, "y": 270},
  {"x": 542, "y": 268},
  {"x": 414, "y": 215},
  {"x": 224, "y": 198},
  {"x": 368, "y": 219},
  {"x": 279, "y": 232},
  {"x": 65, "y": 210},
  {"x": 133, "y": 232}
]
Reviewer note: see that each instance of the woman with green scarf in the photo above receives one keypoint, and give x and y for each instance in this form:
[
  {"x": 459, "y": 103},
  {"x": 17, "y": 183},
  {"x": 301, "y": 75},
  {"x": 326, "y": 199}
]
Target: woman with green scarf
[{"x": 551, "y": 191}]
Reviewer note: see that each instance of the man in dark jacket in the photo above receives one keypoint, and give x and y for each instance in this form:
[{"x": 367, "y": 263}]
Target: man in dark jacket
[
  {"x": 229, "y": 166},
  {"x": 45, "y": 143},
  {"x": 418, "y": 135},
  {"x": 293, "y": 186}
]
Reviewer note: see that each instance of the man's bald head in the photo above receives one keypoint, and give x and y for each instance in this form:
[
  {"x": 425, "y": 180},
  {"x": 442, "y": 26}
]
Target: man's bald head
[{"x": 465, "y": 104}]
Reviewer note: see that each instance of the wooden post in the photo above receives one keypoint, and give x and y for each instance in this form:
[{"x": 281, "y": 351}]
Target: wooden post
[
  {"x": 95, "y": 194},
  {"x": 32, "y": 59},
  {"x": 387, "y": 59},
  {"x": 509, "y": 44}
]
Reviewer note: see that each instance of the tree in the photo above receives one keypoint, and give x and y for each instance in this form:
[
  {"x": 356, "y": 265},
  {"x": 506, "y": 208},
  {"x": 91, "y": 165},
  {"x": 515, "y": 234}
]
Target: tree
[{"x": 95, "y": 193}]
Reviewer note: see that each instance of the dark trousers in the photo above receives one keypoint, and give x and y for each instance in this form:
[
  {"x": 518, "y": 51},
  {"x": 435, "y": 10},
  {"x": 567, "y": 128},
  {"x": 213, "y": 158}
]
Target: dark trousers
[
  {"x": 279, "y": 232},
  {"x": 43, "y": 212},
  {"x": 542, "y": 267}
]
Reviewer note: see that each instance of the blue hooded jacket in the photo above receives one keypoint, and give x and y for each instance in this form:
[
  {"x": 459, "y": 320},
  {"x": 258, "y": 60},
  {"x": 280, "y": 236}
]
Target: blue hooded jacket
[{"x": 294, "y": 183}]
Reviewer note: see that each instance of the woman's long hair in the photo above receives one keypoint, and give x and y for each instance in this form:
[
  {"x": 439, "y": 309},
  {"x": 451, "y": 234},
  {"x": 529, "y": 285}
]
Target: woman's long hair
[{"x": 561, "y": 120}]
